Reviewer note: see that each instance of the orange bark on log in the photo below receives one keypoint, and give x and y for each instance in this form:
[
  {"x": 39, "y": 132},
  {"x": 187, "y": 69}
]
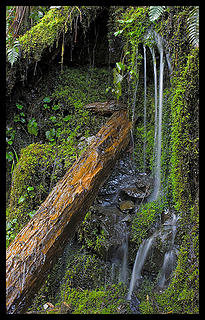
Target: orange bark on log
[{"x": 37, "y": 246}]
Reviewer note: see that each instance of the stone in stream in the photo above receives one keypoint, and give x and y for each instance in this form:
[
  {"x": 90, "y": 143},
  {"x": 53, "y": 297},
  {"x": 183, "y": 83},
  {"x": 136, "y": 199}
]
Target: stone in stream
[
  {"x": 127, "y": 205},
  {"x": 134, "y": 192}
]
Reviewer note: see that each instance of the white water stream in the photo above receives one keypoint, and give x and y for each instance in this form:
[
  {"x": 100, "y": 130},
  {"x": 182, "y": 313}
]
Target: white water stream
[
  {"x": 158, "y": 128},
  {"x": 139, "y": 263}
]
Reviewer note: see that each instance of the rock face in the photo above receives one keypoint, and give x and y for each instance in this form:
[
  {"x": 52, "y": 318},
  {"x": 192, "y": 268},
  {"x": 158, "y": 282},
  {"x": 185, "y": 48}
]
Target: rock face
[
  {"x": 42, "y": 240},
  {"x": 106, "y": 108}
]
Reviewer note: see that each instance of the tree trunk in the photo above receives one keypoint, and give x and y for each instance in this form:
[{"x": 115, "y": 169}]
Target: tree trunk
[{"x": 37, "y": 246}]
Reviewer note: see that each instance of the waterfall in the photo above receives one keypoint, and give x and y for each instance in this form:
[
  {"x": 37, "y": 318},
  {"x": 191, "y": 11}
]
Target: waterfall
[
  {"x": 155, "y": 103},
  {"x": 167, "y": 268},
  {"x": 145, "y": 108},
  {"x": 142, "y": 253},
  {"x": 123, "y": 272},
  {"x": 139, "y": 262},
  {"x": 158, "y": 127},
  {"x": 170, "y": 255}
]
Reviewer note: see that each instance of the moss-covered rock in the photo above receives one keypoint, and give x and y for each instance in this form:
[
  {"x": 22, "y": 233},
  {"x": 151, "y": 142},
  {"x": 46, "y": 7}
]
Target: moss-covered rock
[
  {"x": 40, "y": 166},
  {"x": 30, "y": 182},
  {"x": 82, "y": 281},
  {"x": 101, "y": 301}
]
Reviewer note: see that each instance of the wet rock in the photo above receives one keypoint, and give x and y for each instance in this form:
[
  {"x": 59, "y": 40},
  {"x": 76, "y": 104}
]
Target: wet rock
[
  {"x": 134, "y": 192},
  {"x": 126, "y": 205},
  {"x": 134, "y": 304},
  {"x": 127, "y": 218},
  {"x": 144, "y": 182},
  {"x": 104, "y": 230}
]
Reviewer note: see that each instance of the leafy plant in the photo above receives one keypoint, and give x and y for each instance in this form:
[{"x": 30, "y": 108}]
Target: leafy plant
[
  {"x": 193, "y": 26},
  {"x": 50, "y": 134},
  {"x": 13, "y": 52},
  {"x": 11, "y": 155},
  {"x": 33, "y": 127},
  {"x": 47, "y": 99},
  {"x": 118, "y": 78},
  {"x": 155, "y": 12}
]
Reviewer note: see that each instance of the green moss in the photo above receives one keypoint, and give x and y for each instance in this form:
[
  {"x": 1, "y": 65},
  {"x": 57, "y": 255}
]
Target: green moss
[
  {"x": 43, "y": 35},
  {"x": 40, "y": 166},
  {"x": 144, "y": 220},
  {"x": 34, "y": 166},
  {"x": 82, "y": 281},
  {"x": 100, "y": 301},
  {"x": 55, "y": 23},
  {"x": 184, "y": 144}
]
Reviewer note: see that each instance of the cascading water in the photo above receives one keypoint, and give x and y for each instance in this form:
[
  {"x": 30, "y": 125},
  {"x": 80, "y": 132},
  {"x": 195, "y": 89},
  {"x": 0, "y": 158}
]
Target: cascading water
[
  {"x": 142, "y": 253},
  {"x": 167, "y": 267},
  {"x": 157, "y": 165},
  {"x": 145, "y": 109},
  {"x": 170, "y": 255},
  {"x": 139, "y": 262},
  {"x": 123, "y": 271},
  {"x": 155, "y": 102}
]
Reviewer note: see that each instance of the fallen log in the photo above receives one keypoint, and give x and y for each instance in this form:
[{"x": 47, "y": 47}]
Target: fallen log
[
  {"x": 37, "y": 246},
  {"x": 107, "y": 107}
]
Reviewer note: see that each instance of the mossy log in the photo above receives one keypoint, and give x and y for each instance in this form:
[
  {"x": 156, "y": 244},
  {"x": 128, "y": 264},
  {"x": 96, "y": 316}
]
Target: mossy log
[{"x": 37, "y": 246}]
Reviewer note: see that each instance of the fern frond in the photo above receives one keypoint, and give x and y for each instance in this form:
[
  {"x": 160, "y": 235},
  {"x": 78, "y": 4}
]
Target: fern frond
[
  {"x": 193, "y": 26},
  {"x": 155, "y": 12},
  {"x": 13, "y": 52}
]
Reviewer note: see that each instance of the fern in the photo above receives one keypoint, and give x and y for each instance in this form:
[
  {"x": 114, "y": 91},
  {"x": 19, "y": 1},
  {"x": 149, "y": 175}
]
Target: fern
[
  {"x": 193, "y": 26},
  {"x": 13, "y": 53},
  {"x": 155, "y": 12}
]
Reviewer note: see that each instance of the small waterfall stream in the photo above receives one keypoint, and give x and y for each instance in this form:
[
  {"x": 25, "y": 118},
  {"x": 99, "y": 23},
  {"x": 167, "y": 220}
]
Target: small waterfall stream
[
  {"x": 158, "y": 127},
  {"x": 156, "y": 106},
  {"x": 142, "y": 254},
  {"x": 139, "y": 263}
]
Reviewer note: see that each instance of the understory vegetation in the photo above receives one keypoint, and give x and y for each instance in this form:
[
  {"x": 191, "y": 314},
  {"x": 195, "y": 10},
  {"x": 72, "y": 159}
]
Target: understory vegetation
[{"x": 48, "y": 128}]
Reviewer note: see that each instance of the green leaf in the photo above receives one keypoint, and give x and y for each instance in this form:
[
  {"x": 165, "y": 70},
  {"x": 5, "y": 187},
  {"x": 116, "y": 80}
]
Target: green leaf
[
  {"x": 126, "y": 21},
  {"x": 155, "y": 12},
  {"x": 47, "y": 99},
  {"x": 19, "y": 106},
  {"x": 56, "y": 107},
  {"x": 22, "y": 198},
  {"x": 13, "y": 54},
  {"x": 193, "y": 26},
  {"x": 118, "y": 32},
  {"x": 30, "y": 188},
  {"x": 120, "y": 66},
  {"x": 52, "y": 118},
  {"x": 67, "y": 118},
  {"x": 9, "y": 156},
  {"x": 32, "y": 127}
]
